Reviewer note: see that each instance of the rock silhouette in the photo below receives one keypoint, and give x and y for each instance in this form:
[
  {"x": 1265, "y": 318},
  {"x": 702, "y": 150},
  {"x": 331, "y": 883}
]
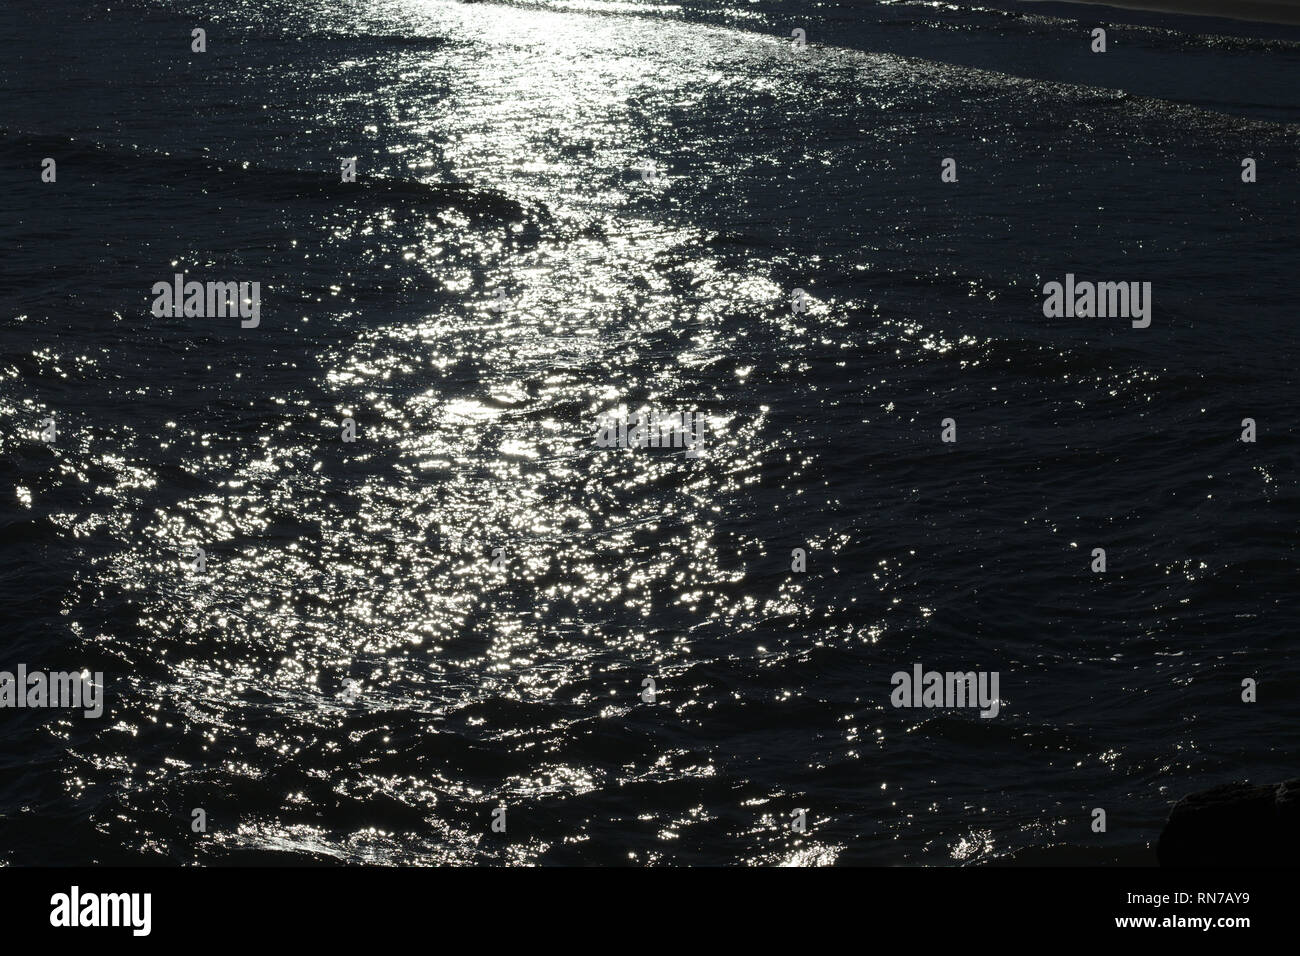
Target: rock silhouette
[{"x": 1236, "y": 824}]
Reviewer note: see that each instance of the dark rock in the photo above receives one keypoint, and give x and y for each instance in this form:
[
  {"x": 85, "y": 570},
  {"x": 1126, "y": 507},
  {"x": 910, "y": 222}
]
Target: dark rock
[{"x": 1237, "y": 824}]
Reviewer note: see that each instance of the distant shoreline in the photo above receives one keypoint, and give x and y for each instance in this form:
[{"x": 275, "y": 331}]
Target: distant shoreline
[{"x": 1262, "y": 11}]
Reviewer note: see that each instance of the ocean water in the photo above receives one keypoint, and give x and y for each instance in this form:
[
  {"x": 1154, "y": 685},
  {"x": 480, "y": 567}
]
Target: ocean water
[{"x": 564, "y": 207}]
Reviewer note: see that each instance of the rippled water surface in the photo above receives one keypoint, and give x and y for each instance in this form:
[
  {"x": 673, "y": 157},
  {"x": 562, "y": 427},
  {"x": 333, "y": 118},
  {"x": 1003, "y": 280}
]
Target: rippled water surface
[{"x": 457, "y": 611}]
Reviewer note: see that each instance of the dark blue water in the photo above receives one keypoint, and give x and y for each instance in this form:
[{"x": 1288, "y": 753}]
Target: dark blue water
[{"x": 352, "y": 677}]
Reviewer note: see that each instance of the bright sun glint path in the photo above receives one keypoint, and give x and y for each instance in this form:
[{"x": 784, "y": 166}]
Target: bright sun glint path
[{"x": 343, "y": 548}]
